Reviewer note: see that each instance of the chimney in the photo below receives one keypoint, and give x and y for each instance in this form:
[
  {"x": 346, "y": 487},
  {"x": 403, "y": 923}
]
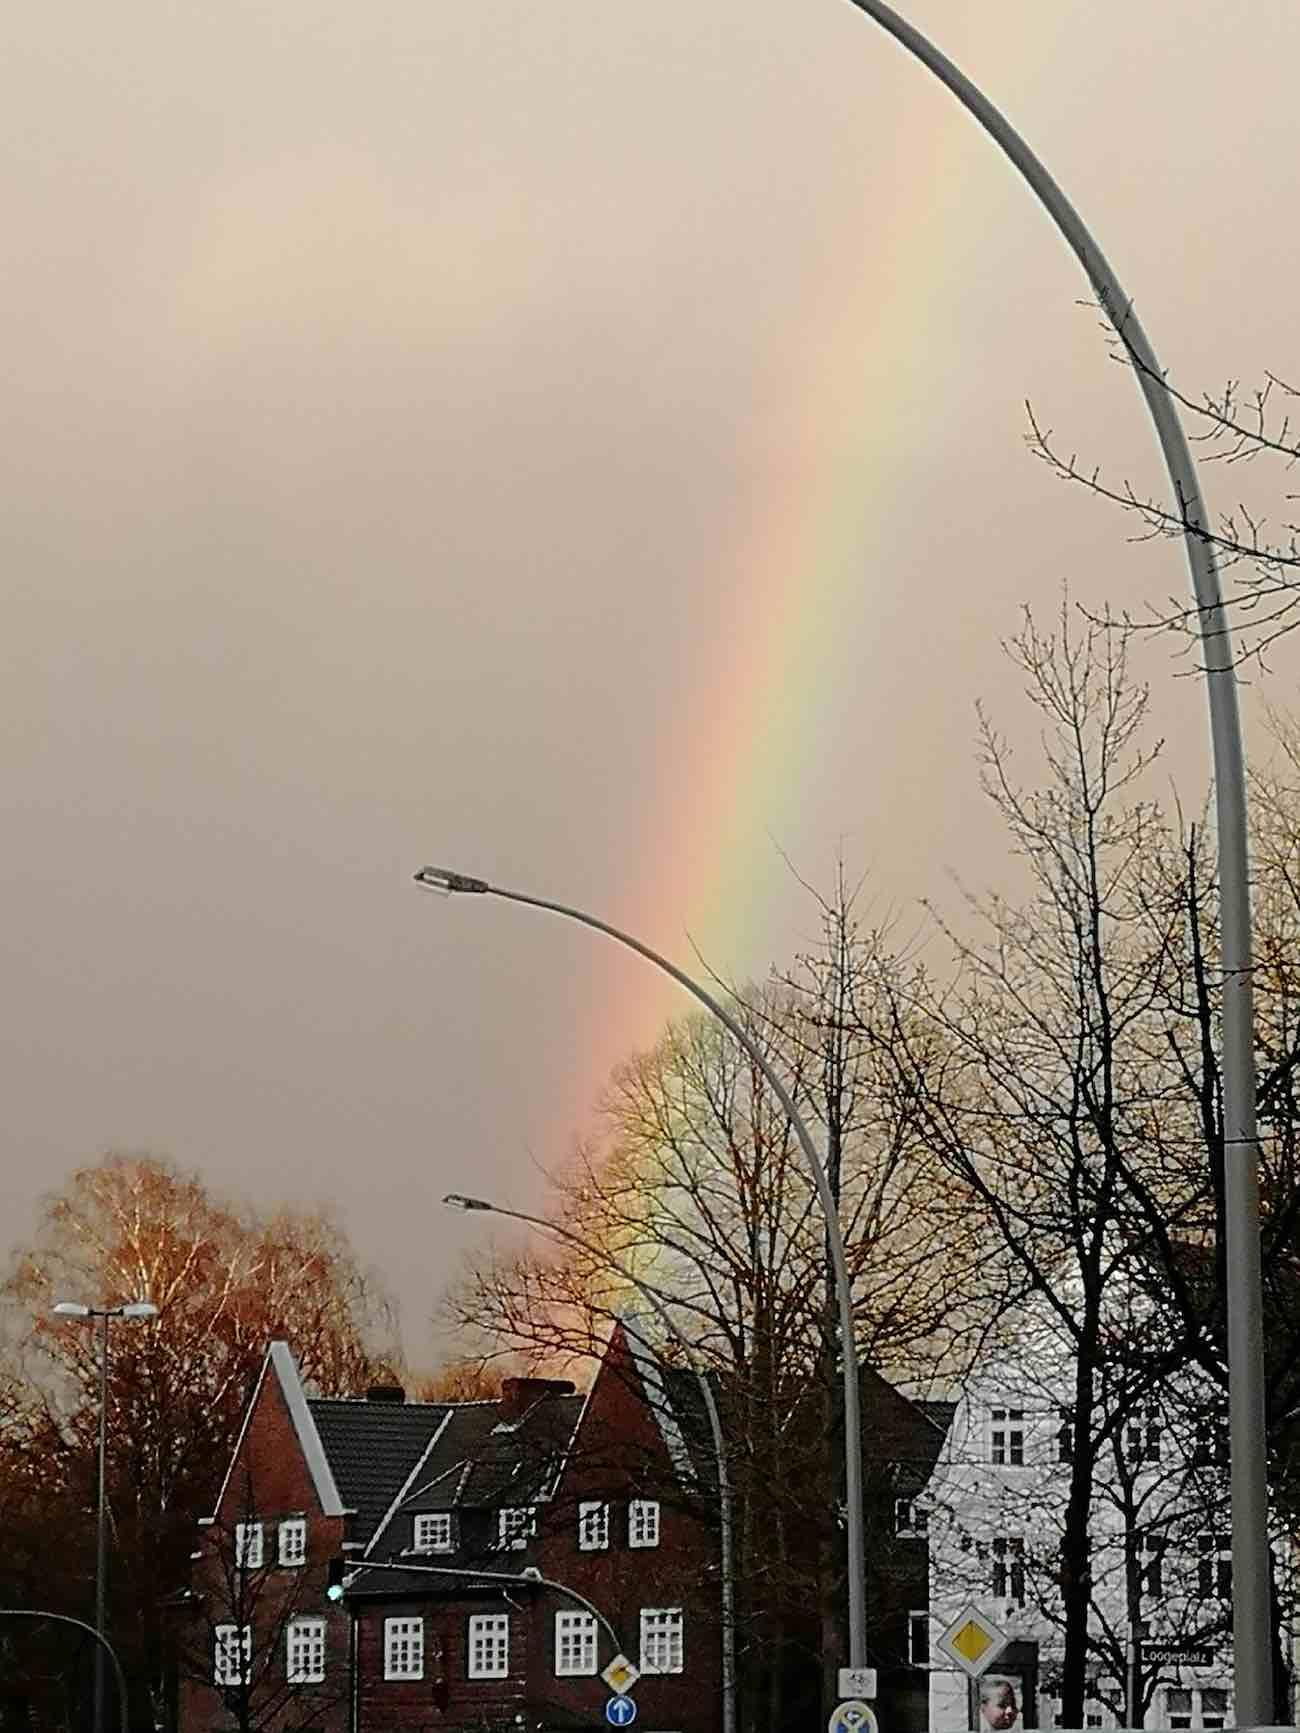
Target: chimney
[
  {"x": 519, "y": 1394},
  {"x": 386, "y": 1393}
]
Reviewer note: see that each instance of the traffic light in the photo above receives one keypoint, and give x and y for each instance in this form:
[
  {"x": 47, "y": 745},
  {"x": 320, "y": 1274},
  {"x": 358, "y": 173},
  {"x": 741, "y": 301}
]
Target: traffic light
[{"x": 334, "y": 1578}]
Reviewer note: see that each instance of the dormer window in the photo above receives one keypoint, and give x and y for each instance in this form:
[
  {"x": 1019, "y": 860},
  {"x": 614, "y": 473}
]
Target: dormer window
[
  {"x": 293, "y": 1540},
  {"x": 516, "y": 1526},
  {"x": 432, "y": 1532},
  {"x": 248, "y": 1545},
  {"x": 593, "y": 1527},
  {"x": 643, "y": 1522}
]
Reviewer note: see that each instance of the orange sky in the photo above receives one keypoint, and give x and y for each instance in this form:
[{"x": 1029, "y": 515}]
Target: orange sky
[{"x": 583, "y": 445}]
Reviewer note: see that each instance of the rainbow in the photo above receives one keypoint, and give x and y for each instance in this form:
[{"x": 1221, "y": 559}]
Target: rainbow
[{"x": 817, "y": 528}]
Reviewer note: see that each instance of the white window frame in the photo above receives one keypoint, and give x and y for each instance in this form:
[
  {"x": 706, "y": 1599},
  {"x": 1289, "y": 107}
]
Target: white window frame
[
  {"x": 304, "y": 1650},
  {"x": 575, "y": 1645},
  {"x": 439, "y": 1523},
  {"x": 911, "y": 1519},
  {"x": 919, "y": 1622},
  {"x": 249, "y": 1546},
  {"x": 291, "y": 1541},
  {"x": 404, "y": 1647},
  {"x": 663, "y": 1640},
  {"x": 487, "y": 1646},
  {"x": 516, "y": 1526},
  {"x": 1194, "y": 1715},
  {"x": 1009, "y": 1560},
  {"x": 1007, "y": 1437},
  {"x": 643, "y": 1522},
  {"x": 593, "y": 1526},
  {"x": 232, "y": 1654}
]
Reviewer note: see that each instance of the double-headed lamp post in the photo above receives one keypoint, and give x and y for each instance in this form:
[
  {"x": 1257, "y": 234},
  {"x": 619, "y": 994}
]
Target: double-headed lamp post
[
  {"x": 448, "y": 883},
  {"x": 458, "y": 1200},
  {"x": 132, "y": 1309}
]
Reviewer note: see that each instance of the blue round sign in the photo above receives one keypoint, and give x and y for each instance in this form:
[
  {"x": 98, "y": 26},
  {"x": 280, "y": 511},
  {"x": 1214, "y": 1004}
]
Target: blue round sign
[{"x": 620, "y": 1711}]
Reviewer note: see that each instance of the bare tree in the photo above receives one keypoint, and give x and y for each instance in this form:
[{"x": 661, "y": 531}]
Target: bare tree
[
  {"x": 224, "y": 1281},
  {"x": 1234, "y": 428}
]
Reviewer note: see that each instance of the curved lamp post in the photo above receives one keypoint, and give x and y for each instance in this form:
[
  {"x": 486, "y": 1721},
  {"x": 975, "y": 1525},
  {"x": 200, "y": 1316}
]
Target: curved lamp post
[
  {"x": 132, "y": 1309},
  {"x": 448, "y": 883},
  {"x": 458, "y": 1200},
  {"x": 1250, "y": 1572},
  {"x": 102, "y": 1642}
]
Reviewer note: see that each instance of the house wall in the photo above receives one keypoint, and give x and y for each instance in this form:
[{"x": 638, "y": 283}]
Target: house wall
[{"x": 269, "y": 1479}]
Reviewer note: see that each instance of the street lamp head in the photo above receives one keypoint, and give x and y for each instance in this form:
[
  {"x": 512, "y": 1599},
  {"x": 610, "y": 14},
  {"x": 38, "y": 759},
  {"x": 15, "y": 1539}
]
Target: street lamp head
[
  {"x": 531, "y": 1574},
  {"x": 139, "y": 1309},
  {"x": 70, "y": 1309},
  {"x": 458, "y": 1200},
  {"x": 446, "y": 882}
]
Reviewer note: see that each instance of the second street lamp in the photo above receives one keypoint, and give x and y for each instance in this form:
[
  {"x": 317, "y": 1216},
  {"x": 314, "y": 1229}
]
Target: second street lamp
[
  {"x": 132, "y": 1309},
  {"x": 458, "y": 1200},
  {"x": 450, "y": 883}
]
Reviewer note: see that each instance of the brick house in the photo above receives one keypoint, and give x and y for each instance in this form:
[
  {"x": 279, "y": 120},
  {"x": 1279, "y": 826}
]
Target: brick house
[{"x": 610, "y": 1494}]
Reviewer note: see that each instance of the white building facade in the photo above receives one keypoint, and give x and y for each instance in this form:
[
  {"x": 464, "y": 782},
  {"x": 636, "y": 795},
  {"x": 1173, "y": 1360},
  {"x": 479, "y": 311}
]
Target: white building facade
[{"x": 1159, "y": 1638}]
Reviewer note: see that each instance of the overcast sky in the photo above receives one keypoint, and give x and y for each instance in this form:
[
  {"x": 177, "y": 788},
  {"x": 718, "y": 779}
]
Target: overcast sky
[{"x": 582, "y": 444}]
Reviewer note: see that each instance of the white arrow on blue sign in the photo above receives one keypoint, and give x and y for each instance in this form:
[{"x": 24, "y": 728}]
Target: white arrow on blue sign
[{"x": 620, "y": 1711}]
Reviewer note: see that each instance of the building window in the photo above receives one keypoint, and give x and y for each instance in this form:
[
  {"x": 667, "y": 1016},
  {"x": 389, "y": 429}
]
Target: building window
[
  {"x": 643, "y": 1522},
  {"x": 1142, "y": 1437},
  {"x": 1214, "y": 1566},
  {"x": 432, "y": 1532},
  {"x": 593, "y": 1527},
  {"x": 1009, "y": 1569},
  {"x": 304, "y": 1651},
  {"x": 403, "y": 1648},
  {"x": 575, "y": 1645},
  {"x": 248, "y": 1545},
  {"x": 1065, "y": 1435},
  {"x": 1151, "y": 1565},
  {"x": 661, "y": 1639},
  {"x": 293, "y": 1540},
  {"x": 918, "y": 1639},
  {"x": 232, "y": 1650},
  {"x": 489, "y": 1645},
  {"x": 911, "y": 1519},
  {"x": 1210, "y": 1440},
  {"x": 1007, "y": 1437},
  {"x": 515, "y": 1527},
  {"x": 1192, "y": 1708}
]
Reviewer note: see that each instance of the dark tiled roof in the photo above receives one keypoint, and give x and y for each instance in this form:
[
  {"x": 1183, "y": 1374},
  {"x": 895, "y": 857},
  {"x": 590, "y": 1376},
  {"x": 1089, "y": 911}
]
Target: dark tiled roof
[{"x": 372, "y": 1447}]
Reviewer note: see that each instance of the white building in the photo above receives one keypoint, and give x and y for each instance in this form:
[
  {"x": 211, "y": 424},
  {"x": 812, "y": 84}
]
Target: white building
[{"x": 1160, "y": 1546}]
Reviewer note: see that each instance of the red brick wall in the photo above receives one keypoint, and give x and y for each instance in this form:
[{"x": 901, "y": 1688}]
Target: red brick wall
[{"x": 271, "y": 1476}]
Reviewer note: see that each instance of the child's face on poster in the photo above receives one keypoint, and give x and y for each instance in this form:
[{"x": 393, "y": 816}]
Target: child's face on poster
[{"x": 999, "y": 1706}]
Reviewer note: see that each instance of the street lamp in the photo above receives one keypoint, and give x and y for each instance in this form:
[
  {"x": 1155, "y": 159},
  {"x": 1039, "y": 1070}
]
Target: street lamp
[
  {"x": 132, "y": 1309},
  {"x": 458, "y": 1200},
  {"x": 1244, "y": 1292},
  {"x": 449, "y": 883}
]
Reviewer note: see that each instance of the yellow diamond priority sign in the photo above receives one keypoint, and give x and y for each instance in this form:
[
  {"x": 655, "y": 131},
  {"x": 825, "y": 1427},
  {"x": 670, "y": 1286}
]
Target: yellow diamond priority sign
[
  {"x": 973, "y": 1641},
  {"x": 621, "y": 1675}
]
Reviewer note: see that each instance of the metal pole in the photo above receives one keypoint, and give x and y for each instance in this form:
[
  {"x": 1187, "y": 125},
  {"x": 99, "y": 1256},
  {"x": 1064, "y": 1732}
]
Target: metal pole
[
  {"x": 102, "y": 1641},
  {"x": 101, "y": 1525},
  {"x": 1249, "y": 1488},
  {"x": 726, "y": 1545},
  {"x": 439, "y": 879}
]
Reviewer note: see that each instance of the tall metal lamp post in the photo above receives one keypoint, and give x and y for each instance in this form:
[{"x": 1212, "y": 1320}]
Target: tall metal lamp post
[
  {"x": 132, "y": 1309},
  {"x": 1244, "y": 1297},
  {"x": 458, "y": 1200},
  {"x": 449, "y": 883}
]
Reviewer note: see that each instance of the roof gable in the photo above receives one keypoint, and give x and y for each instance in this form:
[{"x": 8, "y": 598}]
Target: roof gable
[{"x": 280, "y": 1361}]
